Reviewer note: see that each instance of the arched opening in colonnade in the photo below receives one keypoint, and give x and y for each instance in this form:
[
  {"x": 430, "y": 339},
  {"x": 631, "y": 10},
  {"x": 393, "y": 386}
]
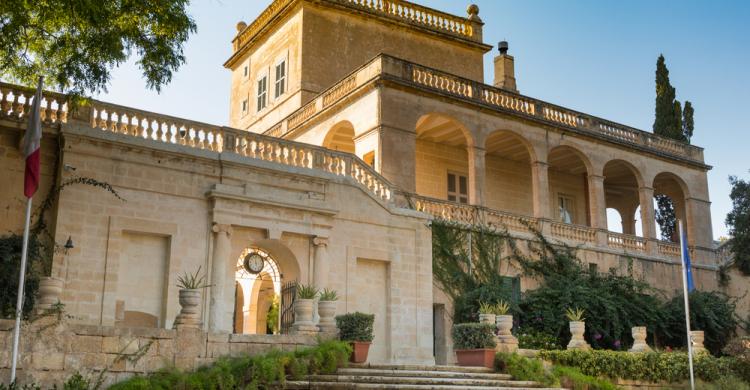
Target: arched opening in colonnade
[
  {"x": 568, "y": 184},
  {"x": 508, "y": 176},
  {"x": 621, "y": 192},
  {"x": 258, "y": 303},
  {"x": 442, "y": 158},
  {"x": 340, "y": 137},
  {"x": 670, "y": 194}
]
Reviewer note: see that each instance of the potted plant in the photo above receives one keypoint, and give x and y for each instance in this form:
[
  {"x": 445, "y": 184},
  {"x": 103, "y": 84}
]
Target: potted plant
[
  {"x": 327, "y": 310},
  {"x": 577, "y": 328},
  {"x": 191, "y": 286},
  {"x": 303, "y": 308},
  {"x": 486, "y": 313},
  {"x": 474, "y": 344},
  {"x": 504, "y": 322},
  {"x": 357, "y": 329}
]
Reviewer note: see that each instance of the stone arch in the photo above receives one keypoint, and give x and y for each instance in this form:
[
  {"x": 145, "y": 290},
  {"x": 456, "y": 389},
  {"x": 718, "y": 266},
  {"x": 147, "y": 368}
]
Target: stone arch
[
  {"x": 443, "y": 149},
  {"x": 670, "y": 188},
  {"x": 622, "y": 184},
  {"x": 258, "y": 290},
  {"x": 568, "y": 174},
  {"x": 340, "y": 137},
  {"x": 508, "y": 172}
]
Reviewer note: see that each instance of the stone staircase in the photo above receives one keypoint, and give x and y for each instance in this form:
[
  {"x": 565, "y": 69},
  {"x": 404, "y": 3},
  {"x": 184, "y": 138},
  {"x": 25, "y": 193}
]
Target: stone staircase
[{"x": 413, "y": 377}]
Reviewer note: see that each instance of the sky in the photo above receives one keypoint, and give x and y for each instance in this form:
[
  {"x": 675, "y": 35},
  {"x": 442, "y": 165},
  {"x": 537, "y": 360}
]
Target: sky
[{"x": 593, "y": 56}]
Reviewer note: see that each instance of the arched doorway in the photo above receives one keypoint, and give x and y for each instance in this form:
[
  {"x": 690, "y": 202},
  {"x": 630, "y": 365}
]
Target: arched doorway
[
  {"x": 341, "y": 138},
  {"x": 568, "y": 181},
  {"x": 257, "y": 293},
  {"x": 621, "y": 186},
  {"x": 669, "y": 205},
  {"x": 508, "y": 176}
]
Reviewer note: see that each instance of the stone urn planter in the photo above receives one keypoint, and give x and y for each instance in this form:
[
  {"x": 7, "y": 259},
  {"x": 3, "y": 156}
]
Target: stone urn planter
[
  {"x": 190, "y": 301},
  {"x": 639, "y": 340},
  {"x": 50, "y": 290},
  {"x": 506, "y": 342},
  {"x": 577, "y": 328},
  {"x": 697, "y": 336},
  {"x": 487, "y": 319},
  {"x": 327, "y": 312},
  {"x": 303, "y": 316}
]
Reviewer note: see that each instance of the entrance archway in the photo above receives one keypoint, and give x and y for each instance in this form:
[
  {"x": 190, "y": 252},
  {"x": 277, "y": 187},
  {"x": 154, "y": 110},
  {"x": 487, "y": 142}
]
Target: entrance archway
[{"x": 258, "y": 291}]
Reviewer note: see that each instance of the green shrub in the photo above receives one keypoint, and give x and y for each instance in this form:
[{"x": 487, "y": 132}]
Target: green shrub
[
  {"x": 307, "y": 291},
  {"x": 571, "y": 378},
  {"x": 257, "y": 372},
  {"x": 712, "y": 312},
  {"x": 529, "y": 338},
  {"x": 467, "y": 305},
  {"x": 473, "y": 336},
  {"x": 724, "y": 383},
  {"x": 739, "y": 349},
  {"x": 649, "y": 366},
  {"x": 10, "y": 263},
  {"x": 355, "y": 326},
  {"x": 523, "y": 369}
]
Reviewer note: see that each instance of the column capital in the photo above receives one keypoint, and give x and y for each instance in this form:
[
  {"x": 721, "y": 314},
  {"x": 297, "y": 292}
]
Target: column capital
[
  {"x": 539, "y": 163},
  {"x": 645, "y": 188},
  {"x": 596, "y": 177},
  {"x": 222, "y": 228},
  {"x": 320, "y": 241}
]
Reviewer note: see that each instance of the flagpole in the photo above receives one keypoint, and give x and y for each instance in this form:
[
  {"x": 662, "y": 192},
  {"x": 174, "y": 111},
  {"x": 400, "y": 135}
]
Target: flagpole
[
  {"x": 687, "y": 305},
  {"x": 19, "y": 300}
]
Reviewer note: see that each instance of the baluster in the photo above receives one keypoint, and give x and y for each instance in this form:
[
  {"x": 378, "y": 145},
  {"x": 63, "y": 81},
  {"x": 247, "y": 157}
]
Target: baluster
[
  {"x": 45, "y": 110},
  {"x": 15, "y": 106},
  {"x": 25, "y": 108}
]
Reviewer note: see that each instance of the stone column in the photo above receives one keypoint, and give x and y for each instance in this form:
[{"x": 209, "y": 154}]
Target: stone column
[
  {"x": 598, "y": 208},
  {"x": 219, "y": 265},
  {"x": 646, "y": 196},
  {"x": 540, "y": 185},
  {"x": 321, "y": 264},
  {"x": 476, "y": 175}
]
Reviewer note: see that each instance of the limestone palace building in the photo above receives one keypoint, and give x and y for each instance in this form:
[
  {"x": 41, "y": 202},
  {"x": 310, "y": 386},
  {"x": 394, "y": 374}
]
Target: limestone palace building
[{"x": 352, "y": 125}]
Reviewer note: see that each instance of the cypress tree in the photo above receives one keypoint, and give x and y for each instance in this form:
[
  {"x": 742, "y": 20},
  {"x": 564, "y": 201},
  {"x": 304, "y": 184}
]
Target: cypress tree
[
  {"x": 664, "y": 123},
  {"x": 678, "y": 130},
  {"x": 687, "y": 121}
]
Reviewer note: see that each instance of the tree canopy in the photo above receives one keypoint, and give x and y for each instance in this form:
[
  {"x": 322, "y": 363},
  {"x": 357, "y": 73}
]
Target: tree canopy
[
  {"x": 738, "y": 221},
  {"x": 75, "y": 44}
]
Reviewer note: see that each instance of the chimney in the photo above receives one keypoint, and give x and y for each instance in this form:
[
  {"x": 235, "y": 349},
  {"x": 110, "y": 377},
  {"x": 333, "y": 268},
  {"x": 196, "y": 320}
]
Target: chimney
[{"x": 505, "y": 75}]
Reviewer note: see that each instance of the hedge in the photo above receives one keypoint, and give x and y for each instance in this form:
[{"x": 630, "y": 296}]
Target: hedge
[{"x": 648, "y": 366}]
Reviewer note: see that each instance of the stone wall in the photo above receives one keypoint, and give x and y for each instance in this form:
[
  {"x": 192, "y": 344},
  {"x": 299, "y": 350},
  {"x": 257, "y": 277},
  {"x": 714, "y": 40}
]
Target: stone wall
[{"x": 52, "y": 350}]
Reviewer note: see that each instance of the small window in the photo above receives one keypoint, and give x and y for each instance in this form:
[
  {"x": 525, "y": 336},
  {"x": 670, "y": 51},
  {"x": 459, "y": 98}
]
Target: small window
[
  {"x": 370, "y": 158},
  {"x": 262, "y": 92},
  {"x": 280, "y": 79},
  {"x": 458, "y": 188},
  {"x": 244, "y": 106},
  {"x": 247, "y": 71},
  {"x": 593, "y": 268},
  {"x": 565, "y": 207}
]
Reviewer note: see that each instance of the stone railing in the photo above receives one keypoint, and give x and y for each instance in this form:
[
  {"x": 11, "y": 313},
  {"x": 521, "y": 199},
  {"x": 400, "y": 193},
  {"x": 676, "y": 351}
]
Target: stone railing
[
  {"x": 669, "y": 249},
  {"x": 575, "y": 233},
  {"x": 626, "y": 242},
  {"x": 396, "y": 10},
  {"x": 15, "y": 103},
  {"x": 415, "y": 14},
  {"x": 392, "y": 68}
]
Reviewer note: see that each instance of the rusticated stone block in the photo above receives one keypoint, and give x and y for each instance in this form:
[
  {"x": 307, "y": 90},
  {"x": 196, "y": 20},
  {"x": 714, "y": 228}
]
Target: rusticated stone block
[
  {"x": 165, "y": 348},
  {"x": 90, "y": 344},
  {"x": 111, "y": 344},
  {"x": 190, "y": 343},
  {"x": 184, "y": 363},
  {"x": 48, "y": 361},
  {"x": 215, "y": 350}
]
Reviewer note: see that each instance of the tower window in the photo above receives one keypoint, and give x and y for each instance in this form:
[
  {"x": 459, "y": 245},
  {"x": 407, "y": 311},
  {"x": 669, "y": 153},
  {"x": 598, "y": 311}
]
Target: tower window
[
  {"x": 244, "y": 106},
  {"x": 262, "y": 92},
  {"x": 246, "y": 71},
  {"x": 280, "y": 79},
  {"x": 458, "y": 188},
  {"x": 565, "y": 206}
]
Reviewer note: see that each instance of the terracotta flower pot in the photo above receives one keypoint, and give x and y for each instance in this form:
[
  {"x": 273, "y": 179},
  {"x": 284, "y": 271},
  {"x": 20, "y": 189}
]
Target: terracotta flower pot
[
  {"x": 190, "y": 301},
  {"x": 327, "y": 311},
  {"x": 50, "y": 290},
  {"x": 476, "y": 357},
  {"x": 360, "y": 349}
]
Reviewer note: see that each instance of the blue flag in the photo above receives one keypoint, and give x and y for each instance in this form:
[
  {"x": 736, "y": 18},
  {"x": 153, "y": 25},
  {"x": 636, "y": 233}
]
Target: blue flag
[{"x": 686, "y": 259}]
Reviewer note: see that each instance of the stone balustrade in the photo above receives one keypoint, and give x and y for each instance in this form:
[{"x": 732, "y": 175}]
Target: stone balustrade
[
  {"x": 15, "y": 102},
  {"x": 396, "y": 10},
  {"x": 626, "y": 242},
  {"x": 392, "y": 68}
]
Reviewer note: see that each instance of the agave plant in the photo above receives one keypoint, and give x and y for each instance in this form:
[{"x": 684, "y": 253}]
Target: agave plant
[
  {"x": 486, "y": 308},
  {"x": 329, "y": 295},
  {"x": 575, "y": 315},
  {"x": 193, "y": 281},
  {"x": 501, "y": 308},
  {"x": 307, "y": 291}
]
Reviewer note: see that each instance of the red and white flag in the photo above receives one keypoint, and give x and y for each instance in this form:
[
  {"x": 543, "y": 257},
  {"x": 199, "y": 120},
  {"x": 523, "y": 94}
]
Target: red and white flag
[{"x": 32, "y": 142}]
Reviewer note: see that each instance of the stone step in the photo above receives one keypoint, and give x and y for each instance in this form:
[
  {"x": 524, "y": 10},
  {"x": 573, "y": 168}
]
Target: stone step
[
  {"x": 422, "y": 373},
  {"x": 423, "y": 380},
  {"x": 413, "y": 367},
  {"x": 381, "y": 386}
]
